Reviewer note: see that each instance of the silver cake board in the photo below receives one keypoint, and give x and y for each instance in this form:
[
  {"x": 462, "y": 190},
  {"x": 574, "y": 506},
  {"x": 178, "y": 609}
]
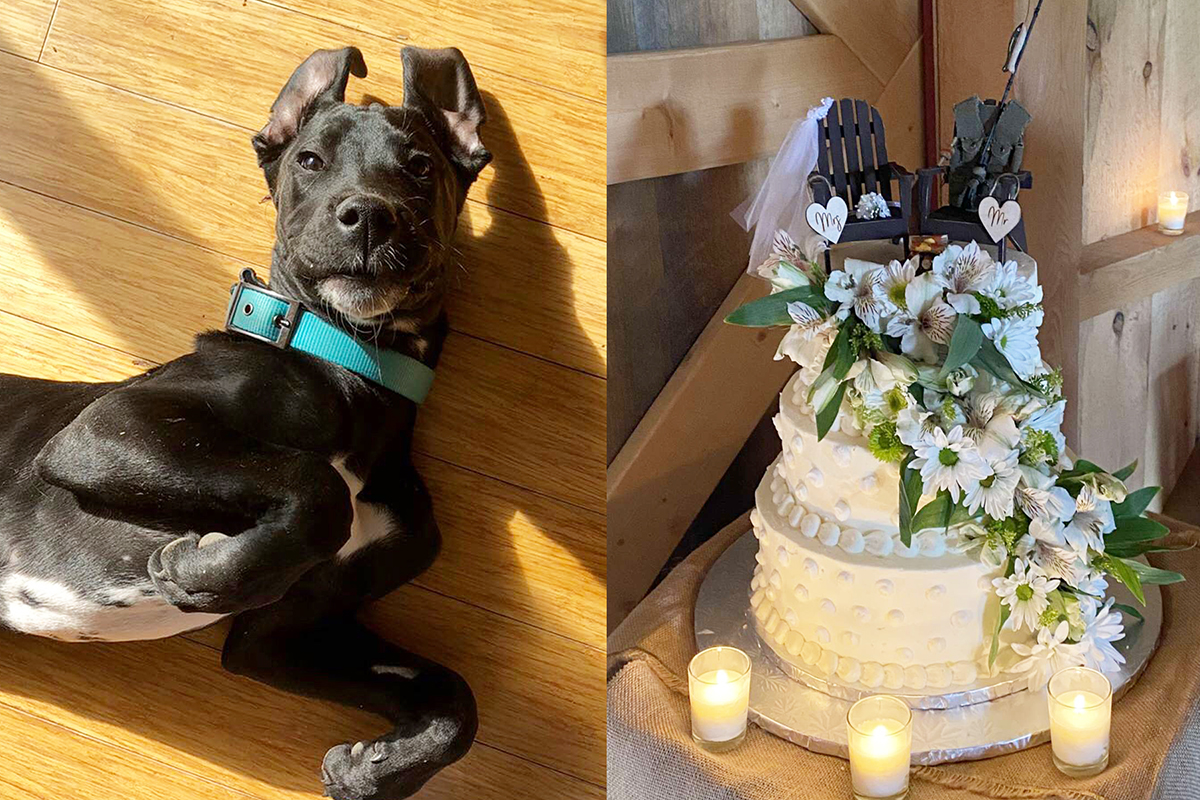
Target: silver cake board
[{"x": 792, "y": 710}]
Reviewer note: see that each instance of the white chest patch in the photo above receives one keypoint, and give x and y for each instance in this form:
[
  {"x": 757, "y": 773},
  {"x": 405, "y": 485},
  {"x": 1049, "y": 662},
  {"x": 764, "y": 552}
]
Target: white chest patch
[
  {"x": 372, "y": 521},
  {"x": 132, "y": 612}
]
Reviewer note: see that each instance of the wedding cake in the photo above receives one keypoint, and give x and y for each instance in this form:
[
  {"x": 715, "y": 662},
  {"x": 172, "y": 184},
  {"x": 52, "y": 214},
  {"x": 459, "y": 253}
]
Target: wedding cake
[{"x": 924, "y": 527}]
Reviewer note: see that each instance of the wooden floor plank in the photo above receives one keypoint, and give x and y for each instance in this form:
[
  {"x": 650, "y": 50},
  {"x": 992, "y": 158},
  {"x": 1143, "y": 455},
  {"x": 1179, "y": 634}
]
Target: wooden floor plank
[
  {"x": 47, "y": 762},
  {"x": 521, "y": 284},
  {"x": 524, "y": 555},
  {"x": 170, "y": 701},
  {"x": 568, "y": 53},
  {"x": 522, "y": 420},
  {"x": 23, "y": 26},
  {"x": 160, "y": 50}
]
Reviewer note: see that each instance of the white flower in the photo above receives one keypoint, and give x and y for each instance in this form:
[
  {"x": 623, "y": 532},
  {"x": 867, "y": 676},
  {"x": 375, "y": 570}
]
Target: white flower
[
  {"x": 964, "y": 271},
  {"x": 1049, "y": 418},
  {"x": 1039, "y": 498},
  {"x": 961, "y": 380},
  {"x": 995, "y": 492},
  {"x": 1009, "y": 288},
  {"x": 881, "y": 373},
  {"x": 871, "y": 206},
  {"x": 782, "y": 267},
  {"x": 894, "y": 281},
  {"x": 807, "y": 346},
  {"x": 1017, "y": 339},
  {"x": 1101, "y": 629},
  {"x": 804, "y": 316},
  {"x": 948, "y": 461},
  {"x": 1043, "y": 545},
  {"x": 989, "y": 425},
  {"x": 1024, "y": 592},
  {"x": 1051, "y": 654},
  {"x": 1093, "y": 518},
  {"x": 856, "y": 288},
  {"x": 912, "y": 427},
  {"x": 925, "y": 321}
]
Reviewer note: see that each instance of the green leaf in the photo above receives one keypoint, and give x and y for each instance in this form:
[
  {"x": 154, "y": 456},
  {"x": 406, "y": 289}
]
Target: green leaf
[
  {"x": 1135, "y": 502},
  {"x": 1152, "y": 575},
  {"x": 1120, "y": 569},
  {"x": 1130, "y": 610},
  {"x": 940, "y": 512},
  {"x": 1135, "y": 529},
  {"x": 828, "y": 414},
  {"x": 1124, "y": 472},
  {"x": 1081, "y": 469},
  {"x": 992, "y": 360},
  {"x": 772, "y": 310},
  {"x": 1002, "y": 618},
  {"x": 964, "y": 344},
  {"x": 841, "y": 352},
  {"x": 910, "y": 495},
  {"x": 1135, "y": 549}
]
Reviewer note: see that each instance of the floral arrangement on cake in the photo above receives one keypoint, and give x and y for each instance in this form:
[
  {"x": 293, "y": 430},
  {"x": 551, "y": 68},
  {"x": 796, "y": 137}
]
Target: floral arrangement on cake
[{"x": 940, "y": 369}]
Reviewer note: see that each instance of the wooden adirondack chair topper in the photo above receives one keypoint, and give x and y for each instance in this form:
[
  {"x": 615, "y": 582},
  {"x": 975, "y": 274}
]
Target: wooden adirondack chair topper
[{"x": 852, "y": 161}]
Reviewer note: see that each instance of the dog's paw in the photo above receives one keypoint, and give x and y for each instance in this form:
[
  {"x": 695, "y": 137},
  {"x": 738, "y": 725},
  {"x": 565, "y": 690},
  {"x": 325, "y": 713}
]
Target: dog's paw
[
  {"x": 378, "y": 770},
  {"x": 193, "y": 574}
]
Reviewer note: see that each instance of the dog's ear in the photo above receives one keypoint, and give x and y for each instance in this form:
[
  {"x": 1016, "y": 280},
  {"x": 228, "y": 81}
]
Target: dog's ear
[
  {"x": 440, "y": 83},
  {"x": 320, "y": 79}
]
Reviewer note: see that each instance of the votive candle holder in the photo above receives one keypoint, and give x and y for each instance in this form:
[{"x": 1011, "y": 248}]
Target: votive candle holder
[
  {"x": 1080, "y": 720},
  {"x": 719, "y": 692},
  {"x": 879, "y": 729}
]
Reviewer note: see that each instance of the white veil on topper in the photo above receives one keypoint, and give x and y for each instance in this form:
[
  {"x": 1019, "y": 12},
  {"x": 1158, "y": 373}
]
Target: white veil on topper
[{"x": 784, "y": 196}]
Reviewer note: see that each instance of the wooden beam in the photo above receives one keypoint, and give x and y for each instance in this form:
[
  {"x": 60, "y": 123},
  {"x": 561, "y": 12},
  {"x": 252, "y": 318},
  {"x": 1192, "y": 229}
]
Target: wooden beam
[
  {"x": 684, "y": 443},
  {"x": 881, "y": 37},
  {"x": 1126, "y": 268},
  {"x": 900, "y": 106},
  {"x": 674, "y": 111}
]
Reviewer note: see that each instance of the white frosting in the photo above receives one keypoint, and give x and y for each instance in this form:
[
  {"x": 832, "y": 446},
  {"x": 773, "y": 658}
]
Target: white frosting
[{"x": 914, "y": 618}]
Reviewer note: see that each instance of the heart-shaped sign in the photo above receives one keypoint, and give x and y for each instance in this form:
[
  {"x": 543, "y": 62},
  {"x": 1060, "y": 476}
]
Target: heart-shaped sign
[
  {"x": 998, "y": 219},
  {"x": 828, "y": 220}
]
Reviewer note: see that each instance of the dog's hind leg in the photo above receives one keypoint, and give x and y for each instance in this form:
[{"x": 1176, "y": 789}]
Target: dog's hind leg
[{"x": 430, "y": 706}]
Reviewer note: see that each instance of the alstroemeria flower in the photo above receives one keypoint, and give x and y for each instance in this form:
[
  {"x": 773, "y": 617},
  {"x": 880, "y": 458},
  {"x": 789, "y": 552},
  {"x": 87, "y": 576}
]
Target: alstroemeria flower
[
  {"x": 964, "y": 271},
  {"x": 926, "y": 321},
  {"x": 856, "y": 288}
]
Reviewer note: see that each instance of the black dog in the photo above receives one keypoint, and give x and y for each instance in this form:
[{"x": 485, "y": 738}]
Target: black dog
[{"x": 254, "y": 479}]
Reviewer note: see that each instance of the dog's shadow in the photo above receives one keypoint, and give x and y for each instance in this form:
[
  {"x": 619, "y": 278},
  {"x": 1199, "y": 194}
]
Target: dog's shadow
[{"x": 170, "y": 700}]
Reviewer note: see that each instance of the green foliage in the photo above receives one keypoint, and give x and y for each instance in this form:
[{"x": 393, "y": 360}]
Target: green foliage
[
  {"x": 1023, "y": 311},
  {"x": 988, "y": 308},
  {"x": 992, "y": 360},
  {"x": 772, "y": 310},
  {"x": 940, "y": 512},
  {"x": 828, "y": 413},
  {"x": 863, "y": 340},
  {"x": 1121, "y": 570},
  {"x": 841, "y": 355},
  {"x": 1049, "y": 383},
  {"x": 1008, "y": 530},
  {"x": 964, "y": 344},
  {"x": 885, "y": 443},
  {"x": 1001, "y": 618},
  {"x": 1039, "y": 448},
  {"x": 1124, "y": 472},
  {"x": 1135, "y": 502},
  {"x": 910, "y": 495}
]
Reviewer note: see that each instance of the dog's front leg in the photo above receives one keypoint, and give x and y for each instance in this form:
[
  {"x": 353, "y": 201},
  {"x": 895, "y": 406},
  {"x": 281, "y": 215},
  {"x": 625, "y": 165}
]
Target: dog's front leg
[{"x": 150, "y": 455}]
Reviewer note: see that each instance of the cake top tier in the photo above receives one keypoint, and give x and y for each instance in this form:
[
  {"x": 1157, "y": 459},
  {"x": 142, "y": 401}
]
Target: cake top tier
[{"x": 934, "y": 361}]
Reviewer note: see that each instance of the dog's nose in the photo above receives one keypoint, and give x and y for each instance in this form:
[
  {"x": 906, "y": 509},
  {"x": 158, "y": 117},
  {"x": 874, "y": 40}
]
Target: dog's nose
[{"x": 366, "y": 218}]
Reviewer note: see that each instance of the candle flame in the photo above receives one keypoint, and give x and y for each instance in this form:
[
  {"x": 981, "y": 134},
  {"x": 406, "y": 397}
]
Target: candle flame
[
  {"x": 880, "y": 730},
  {"x": 1079, "y": 702},
  {"x": 722, "y": 676}
]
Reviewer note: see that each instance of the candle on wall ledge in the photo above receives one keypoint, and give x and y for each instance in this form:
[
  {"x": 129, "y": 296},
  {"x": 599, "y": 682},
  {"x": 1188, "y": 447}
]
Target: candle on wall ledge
[
  {"x": 719, "y": 691},
  {"x": 1080, "y": 719},
  {"x": 1172, "y": 210},
  {"x": 879, "y": 729}
]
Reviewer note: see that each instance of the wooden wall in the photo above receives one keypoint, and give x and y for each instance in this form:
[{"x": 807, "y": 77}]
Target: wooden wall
[{"x": 129, "y": 201}]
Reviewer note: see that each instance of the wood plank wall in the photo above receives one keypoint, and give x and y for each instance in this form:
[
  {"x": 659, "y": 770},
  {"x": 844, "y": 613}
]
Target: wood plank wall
[
  {"x": 127, "y": 183},
  {"x": 675, "y": 251}
]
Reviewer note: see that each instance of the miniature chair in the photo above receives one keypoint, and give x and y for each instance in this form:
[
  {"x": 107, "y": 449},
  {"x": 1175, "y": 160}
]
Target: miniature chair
[
  {"x": 852, "y": 161},
  {"x": 960, "y": 219}
]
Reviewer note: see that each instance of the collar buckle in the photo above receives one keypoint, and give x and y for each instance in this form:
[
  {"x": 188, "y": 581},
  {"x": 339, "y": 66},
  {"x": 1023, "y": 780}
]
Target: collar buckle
[{"x": 242, "y": 312}]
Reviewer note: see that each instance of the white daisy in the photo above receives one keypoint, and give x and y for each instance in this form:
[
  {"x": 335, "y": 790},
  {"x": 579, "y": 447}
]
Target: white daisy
[
  {"x": 1090, "y": 590},
  {"x": 1024, "y": 592},
  {"x": 1101, "y": 628},
  {"x": 1009, "y": 288},
  {"x": 1051, "y": 654},
  {"x": 856, "y": 288},
  {"x": 1017, "y": 339},
  {"x": 1039, "y": 498},
  {"x": 894, "y": 281},
  {"x": 964, "y": 271},
  {"x": 925, "y": 321},
  {"x": 949, "y": 461},
  {"x": 990, "y": 425},
  {"x": 994, "y": 493}
]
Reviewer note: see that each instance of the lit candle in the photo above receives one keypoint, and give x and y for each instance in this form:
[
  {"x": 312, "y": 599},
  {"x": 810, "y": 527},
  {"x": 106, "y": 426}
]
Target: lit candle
[
  {"x": 1080, "y": 720},
  {"x": 879, "y": 729},
  {"x": 1172, "y": 209},
  {"x": 719, "y": 689}
]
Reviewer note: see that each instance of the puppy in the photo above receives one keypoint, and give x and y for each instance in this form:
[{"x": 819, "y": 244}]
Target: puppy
[{"x": 267, "y": 475}]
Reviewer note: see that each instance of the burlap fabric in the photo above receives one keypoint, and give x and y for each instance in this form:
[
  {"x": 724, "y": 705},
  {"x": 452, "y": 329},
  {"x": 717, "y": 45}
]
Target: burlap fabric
[{"x": 651, "y": 756}]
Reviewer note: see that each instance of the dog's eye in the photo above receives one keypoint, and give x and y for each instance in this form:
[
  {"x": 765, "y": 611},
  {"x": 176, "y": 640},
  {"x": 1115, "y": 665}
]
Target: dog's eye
[
  {"x": 420, "y": 166},
  {"x": 310, "y": 161}
]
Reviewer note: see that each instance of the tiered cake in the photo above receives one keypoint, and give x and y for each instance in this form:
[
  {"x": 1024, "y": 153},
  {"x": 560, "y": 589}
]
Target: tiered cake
[{"x": 924, "y": 528}]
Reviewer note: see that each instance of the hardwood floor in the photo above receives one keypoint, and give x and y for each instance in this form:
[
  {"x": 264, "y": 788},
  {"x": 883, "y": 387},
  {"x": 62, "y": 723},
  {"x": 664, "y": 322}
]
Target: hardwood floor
[{"x": 127, "y": 182}]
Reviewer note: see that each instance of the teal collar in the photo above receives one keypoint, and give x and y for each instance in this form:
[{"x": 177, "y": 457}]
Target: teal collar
[{"x": 257, "y": 312}]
